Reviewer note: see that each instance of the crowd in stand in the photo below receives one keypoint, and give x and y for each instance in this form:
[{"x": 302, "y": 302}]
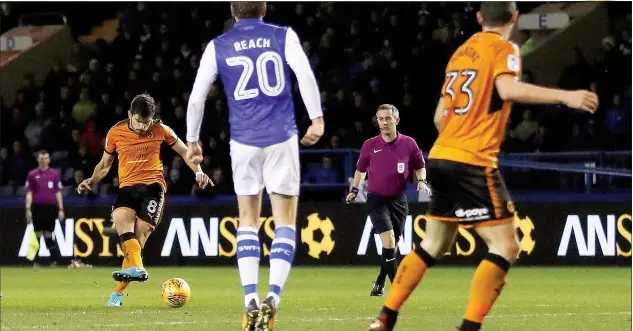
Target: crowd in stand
[{"x": 363, "y": 56}]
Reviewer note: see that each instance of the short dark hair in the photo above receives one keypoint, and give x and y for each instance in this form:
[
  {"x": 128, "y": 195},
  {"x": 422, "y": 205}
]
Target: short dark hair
[
  {"x": 143, "y": 105},
  {"x": 391, "y": 107},
  {"x": 248, "y": 9},
  {"x": 42, "y": 152},
  {"x": 497, "y": 13}
]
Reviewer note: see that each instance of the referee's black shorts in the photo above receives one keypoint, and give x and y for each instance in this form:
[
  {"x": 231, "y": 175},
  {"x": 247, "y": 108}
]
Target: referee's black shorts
[
  {"x": 44, "y": 217},
  {"x": 388, "y": 213}
]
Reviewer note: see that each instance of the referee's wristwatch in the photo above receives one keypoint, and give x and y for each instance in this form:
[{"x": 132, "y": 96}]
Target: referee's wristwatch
[
  {"x": 354, "y": 190},
  {"x": 423, "y": 181}
]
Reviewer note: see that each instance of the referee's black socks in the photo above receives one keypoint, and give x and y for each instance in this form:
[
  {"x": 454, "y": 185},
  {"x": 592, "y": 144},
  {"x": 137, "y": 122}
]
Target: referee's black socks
[
  {"x": 389, "y": 265},
  {"x": 390, "y": 262},
  {"x": 53, "y": 248}
]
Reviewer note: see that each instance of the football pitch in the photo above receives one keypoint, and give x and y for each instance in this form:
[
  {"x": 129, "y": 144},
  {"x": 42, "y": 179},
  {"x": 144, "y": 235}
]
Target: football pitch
[{"x": 315, "y": 298}]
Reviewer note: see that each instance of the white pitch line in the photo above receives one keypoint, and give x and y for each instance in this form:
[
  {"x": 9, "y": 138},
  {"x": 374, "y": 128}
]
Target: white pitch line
[{"x": 561, "y": 314}]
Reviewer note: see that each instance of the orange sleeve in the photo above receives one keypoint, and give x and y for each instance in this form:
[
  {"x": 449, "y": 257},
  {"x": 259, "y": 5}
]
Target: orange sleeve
[
  {"x": 169, "y": 135},
  {"x": 507, "y": 61},
  {"x": 110, "y": 143}
]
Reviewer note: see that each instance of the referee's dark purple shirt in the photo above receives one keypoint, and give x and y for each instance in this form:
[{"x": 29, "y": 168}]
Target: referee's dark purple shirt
[
  {"x": 43, "y": 184},
  {"x": 388, "y": 164}
]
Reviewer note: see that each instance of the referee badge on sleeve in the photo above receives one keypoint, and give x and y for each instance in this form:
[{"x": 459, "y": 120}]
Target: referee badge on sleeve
[{"x": 400, "y": 167}]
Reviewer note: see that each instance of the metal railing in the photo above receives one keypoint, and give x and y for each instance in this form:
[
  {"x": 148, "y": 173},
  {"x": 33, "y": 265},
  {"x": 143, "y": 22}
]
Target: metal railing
[{"x": 589, "y": 163}]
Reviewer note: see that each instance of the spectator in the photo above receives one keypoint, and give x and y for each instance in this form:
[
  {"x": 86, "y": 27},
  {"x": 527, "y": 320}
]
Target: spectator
[
  {"x": 222, "y": 186},
  {"x": 175, "y": 184},
  {"x": 84, "y": 109},
  {"x": 335, "y": 142},
  {"x": 113, "y": 189},
  {"x": 65, "y": 103},
  {"x": 616, "y": 123},
  {"x": 29, "y": 88},
  {"x": 180, "y": 123},
  {"x": 78, "y": 177},
  {"x": 442, "y": 34},
  {"x": 77, "y": 62},
  {"x": 525, "y": 130},
  {"x": 576, "y": 75},
  {"x": 82, "y": 160},
  {"x": 18, "y": 165},
  {"x": 543, "y": 140},
  {"x": 323, "y": 174},
  {"x": 625, "y": 43},
  {"x": 56, "y": 77},
  {"x": 92, "y": 138},
  {"x": 35, "y": 131}
]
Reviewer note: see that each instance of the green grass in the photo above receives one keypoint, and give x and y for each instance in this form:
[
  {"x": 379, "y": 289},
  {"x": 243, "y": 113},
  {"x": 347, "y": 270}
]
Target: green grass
[{"x": 315, "y": 299}]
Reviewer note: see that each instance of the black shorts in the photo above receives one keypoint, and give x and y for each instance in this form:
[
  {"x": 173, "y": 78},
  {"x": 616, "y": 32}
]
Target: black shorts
[
  {"x": 468, "y": 194},
  {"x": 147, "y": 201},
  {"x": 44, "y": 217},
  {"x": 388, "y": 213}
]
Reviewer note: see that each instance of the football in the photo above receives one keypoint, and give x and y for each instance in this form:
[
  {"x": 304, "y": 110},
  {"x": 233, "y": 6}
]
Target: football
[{"x": 175, "y": 292}]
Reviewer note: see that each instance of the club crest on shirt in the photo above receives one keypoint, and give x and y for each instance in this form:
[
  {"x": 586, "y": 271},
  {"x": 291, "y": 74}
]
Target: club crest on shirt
[
  {"x": 400, "y": 167},
  {"x": 150, "y": 134}
]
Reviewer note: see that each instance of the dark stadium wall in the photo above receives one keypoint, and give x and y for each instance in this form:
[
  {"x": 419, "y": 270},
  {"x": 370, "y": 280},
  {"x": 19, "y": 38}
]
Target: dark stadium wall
[{"x": 568, "y": 234}]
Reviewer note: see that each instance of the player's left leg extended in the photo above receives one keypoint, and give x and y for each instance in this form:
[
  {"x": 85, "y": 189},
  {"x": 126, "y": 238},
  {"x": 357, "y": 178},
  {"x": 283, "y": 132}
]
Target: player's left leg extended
[
  {"x": 125, "y": 224},
  {"x": 143, "y": 231},
  {"x": 490, "y": 277}
]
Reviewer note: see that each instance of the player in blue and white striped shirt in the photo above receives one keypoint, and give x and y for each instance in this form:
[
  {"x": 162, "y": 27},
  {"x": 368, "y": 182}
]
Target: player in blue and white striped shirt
[{"x": 253, "y": 61}]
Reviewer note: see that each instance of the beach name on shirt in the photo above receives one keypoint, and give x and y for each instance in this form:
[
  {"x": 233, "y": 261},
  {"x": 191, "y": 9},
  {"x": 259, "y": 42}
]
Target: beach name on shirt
[{"x": 252, "y": 43}]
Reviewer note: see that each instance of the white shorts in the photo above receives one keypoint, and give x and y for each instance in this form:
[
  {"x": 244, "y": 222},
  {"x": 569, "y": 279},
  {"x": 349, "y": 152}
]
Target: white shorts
[{"x": 276, "y": 167}]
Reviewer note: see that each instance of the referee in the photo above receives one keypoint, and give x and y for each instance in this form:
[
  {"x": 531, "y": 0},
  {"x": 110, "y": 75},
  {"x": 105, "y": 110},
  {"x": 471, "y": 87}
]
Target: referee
[
  {"x": 388, "y": 158},
  {"x": 44, "y": 202}
]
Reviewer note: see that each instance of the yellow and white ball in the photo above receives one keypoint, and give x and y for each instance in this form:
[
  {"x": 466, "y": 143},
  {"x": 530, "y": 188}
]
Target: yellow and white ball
[{"x": 175, "y": 292}]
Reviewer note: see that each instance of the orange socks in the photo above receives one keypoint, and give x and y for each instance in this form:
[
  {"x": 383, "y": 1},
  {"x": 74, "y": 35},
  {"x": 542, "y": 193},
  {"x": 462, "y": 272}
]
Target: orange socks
[
  {"x": 132, "y": 249},
  {"x": 121, "y": 286},
  {"x": 487, "y": 284}
]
